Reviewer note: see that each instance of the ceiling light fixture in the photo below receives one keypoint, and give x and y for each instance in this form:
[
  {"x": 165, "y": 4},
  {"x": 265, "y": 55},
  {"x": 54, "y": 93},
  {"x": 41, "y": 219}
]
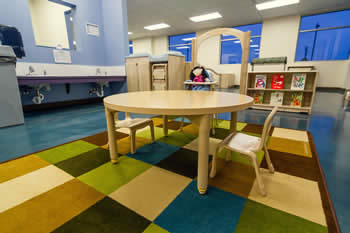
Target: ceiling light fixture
[
  {"x": 183, "y": 47},
  {"x": 210, "y": 16},
  {"x": 157, "y": 26},
  {"x": 275, "y": 4},
  {"x": 188, "y": 39},
  {"x": 254, "y": 46},
  {"x": 129, "y": 33}
]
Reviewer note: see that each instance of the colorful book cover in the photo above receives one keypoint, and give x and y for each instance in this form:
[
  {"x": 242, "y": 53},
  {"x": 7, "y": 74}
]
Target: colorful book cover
[
  {"x": 276, "y": 98},
  {"x": 260, "y": 81},
  {"x": 258, "y": 97},
  {"x": 277, "y": 81},
  {"x": 298, "y": 81},
  {"x": 297, "y": 99}
]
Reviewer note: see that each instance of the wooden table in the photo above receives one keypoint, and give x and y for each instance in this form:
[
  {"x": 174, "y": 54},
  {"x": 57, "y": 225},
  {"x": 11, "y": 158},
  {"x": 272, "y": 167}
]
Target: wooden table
[{"x": 195, "y": 105}]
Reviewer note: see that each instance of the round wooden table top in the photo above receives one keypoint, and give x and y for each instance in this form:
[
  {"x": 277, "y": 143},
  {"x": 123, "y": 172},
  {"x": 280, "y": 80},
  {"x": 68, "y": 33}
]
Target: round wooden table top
[{"x": 182, "y": 103}]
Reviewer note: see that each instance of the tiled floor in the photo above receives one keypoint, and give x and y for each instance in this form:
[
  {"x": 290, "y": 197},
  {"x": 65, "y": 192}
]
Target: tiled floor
[{"x": 329, "y": 123}]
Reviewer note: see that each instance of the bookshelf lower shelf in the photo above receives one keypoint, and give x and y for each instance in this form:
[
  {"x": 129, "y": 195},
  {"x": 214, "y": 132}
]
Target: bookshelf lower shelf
[{"x": 284, "y": 108}]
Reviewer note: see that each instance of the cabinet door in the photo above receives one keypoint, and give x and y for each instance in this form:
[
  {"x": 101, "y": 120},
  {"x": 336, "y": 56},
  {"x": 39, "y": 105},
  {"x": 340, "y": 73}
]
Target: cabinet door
[
  {"x": 132, "y": 76},
  {"x": 144, "y": 76}
]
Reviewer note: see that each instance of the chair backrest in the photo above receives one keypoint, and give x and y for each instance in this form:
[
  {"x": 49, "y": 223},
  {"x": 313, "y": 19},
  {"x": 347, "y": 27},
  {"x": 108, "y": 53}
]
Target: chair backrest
[{"x": 267, "y": 127}]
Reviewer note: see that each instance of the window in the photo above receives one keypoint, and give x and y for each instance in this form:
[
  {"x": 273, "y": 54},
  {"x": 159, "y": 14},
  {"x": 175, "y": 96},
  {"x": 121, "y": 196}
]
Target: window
[
  {"x": 324, "y": 37},
  {"x": 231, "y": 51},
  {"x": 131, "y": 48},
  {"x": 183, "y": 44}
]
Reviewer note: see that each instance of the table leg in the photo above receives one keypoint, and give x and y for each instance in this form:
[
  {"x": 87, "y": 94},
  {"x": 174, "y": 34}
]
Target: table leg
[
  {"x": 203, "y": 150},
  {"x": 233, "y": 122},
  {"x": 113, "y": 149},
  {"x": 165, "y": 125}
]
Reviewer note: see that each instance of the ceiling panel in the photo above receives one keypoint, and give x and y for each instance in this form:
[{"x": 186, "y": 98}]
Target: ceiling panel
[{"x": 235, "y": 12}]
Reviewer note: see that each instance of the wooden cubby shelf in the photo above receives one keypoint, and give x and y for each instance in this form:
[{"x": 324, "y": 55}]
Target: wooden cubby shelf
[{"x": 308, "y": 92}]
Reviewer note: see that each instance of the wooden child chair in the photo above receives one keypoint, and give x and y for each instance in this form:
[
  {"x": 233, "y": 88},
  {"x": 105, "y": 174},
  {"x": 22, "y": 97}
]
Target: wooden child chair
[{"x": 248, "y": 146}]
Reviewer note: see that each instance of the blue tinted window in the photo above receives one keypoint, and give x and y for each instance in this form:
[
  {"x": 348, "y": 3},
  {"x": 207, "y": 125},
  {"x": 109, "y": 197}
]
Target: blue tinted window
[
  {"x": 324, "y": 44},
  {"x": 255, "y": 30},
  {"x": 231, "y": 51},
  {"x": 131, "y": 48},
  {"x": 327, "y": 20},
  {"x": 183, "y": 44}
]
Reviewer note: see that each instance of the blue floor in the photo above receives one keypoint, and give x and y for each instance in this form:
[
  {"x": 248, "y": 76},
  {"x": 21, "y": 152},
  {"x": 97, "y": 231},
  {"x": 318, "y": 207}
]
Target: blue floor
[{"x": 329, "y": 124}]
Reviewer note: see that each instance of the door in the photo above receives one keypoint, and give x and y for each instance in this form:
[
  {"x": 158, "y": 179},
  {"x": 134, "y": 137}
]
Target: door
[
  {"x": 144, "y": 76},
  {"x": 132, "y": 76}
]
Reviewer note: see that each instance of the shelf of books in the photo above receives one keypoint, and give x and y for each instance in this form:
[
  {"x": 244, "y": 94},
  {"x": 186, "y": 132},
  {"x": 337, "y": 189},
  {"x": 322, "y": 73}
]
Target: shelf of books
[{"x": 293, "y": 91}]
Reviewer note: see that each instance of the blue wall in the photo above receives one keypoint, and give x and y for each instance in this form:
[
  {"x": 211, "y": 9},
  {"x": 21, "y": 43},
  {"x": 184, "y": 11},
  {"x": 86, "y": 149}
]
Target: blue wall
[{"x": 102, "y": 50}]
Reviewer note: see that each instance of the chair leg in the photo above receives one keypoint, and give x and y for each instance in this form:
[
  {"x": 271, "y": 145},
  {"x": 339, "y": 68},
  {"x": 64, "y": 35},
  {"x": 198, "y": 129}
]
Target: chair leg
[
  {"x": 258, "y": 177},
  {"x": 268, "y": 160},
  {"x": 228, "y": 155},
  {"x": 213, "y": 125},
  {"x": 152, "y": 131},
  {"x": 213, "y": 164},
  {"x": 182, "y": 124},
  {"x": 133, "y": 141}
]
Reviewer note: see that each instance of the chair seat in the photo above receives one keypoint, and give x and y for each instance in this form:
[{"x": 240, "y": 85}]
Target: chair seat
[
  {"x": 130, "y": 123},
  {"x": 244, "y": 142}
]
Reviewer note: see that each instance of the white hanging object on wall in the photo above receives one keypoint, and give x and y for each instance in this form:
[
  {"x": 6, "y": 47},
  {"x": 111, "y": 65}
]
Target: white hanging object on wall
[
  {"x": 62, "y": 56},
  {"x": 92, "y": 29}
]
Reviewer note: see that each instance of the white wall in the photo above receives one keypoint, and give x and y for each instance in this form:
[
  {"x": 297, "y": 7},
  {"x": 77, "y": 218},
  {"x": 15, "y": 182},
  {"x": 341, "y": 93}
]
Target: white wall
[
  {"x": 279, "y": 38},
  {"x": 160, "y": 45},
  {"x": 143, "y": 45},
  {"x": 49, "y": 23}
]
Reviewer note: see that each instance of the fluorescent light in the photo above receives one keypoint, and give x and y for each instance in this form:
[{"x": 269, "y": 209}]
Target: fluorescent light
[
  {"x": 275, "y": 3},
  {"x": 188, "y": 39},
  {"x": 254, "y": 46},
  {"x": 130, "y": 45},
  {"x": 183, "y": 47},
  {"x": 129, "y": 33},
  {"x": 237, "y": 41},
  {"x": 205, "y": 17},
  {"x": 156, "y": 26}
]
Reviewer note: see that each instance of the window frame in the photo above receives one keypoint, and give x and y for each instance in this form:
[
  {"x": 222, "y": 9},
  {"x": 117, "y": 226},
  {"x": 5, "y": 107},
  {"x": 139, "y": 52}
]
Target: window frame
[
  {"x": 233, "y": 39},
  {"x": 177, "y": 45},
  {"x": 317, "y": 30}
]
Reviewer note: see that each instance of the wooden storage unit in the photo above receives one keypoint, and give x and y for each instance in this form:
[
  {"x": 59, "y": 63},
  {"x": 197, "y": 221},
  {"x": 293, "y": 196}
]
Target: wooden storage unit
[
  {"x": 138, "y": 72},
  {"x": 308, "y": 92},
  {"x": 141, "y": 76}
]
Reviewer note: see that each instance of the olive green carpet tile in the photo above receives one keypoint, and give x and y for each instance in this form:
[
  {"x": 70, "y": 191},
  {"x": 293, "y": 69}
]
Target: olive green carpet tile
[{"x": 74, "y": 187}]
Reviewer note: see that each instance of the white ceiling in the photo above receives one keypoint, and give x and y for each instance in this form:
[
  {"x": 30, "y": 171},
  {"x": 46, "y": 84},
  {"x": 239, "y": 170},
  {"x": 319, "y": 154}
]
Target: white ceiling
[{"x": 235, "y": 12}]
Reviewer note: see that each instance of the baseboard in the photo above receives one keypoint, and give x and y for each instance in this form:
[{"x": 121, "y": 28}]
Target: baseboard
[
  {"x": 331, "y": 89},
  {"x": 55, "y": 105}
]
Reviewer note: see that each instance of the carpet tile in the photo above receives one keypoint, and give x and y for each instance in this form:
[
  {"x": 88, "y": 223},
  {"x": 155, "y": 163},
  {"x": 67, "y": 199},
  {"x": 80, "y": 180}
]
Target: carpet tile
[
  {"x": 153, "y": 153},
  {"x": 84, "y": 162},
  {"x": 124, "y": 144},
  {"x": 297, "y": 135},
  {"x": 219, "y": 211},
  {"x": 102, "y": 138},
  {"x": 191, "y": 129},
  {"x": 157, "y": 121},
  {"x": 66, "y": 151},
  {"x": 20, "y": 166},
  {"x": 236, "y": 178},
  {"x": 158, "y": 133},
  {"x": 183, "y": 162},
  {"x": 159, "y": 188},
  {"x": 291, "y": 194},
  {"x": 44, "y": 212},
  {"x": 23, "y": 188},
  {"x": 220, "y": 133},
  {"x": 257, "y": 129},
  {"x": 224, "y": 124},
  {"x": 109, "y": 177},
  {"x": 153, "y": 228},
  {"x": 178, "y": 138},
  {"x": 174, "y": 125},
  {"x": 290, "y": 146},
  {"x": 258, "y": 218},
  {"x": 107, "y": 216}
]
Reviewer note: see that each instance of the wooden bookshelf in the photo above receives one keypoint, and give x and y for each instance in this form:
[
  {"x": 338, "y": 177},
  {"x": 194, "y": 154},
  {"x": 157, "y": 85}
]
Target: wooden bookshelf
[{"x": 308, "y": 92}]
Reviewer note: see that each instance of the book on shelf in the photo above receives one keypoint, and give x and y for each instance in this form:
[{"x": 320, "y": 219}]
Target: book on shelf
[
  {"x": 260, "y": 81},
  {"x": 297, "y": 99},
  {"x": 258, "y": 97},
  {"x": 276, "y": 98},
  {"x": 277, "y": 81},
  {"x": 298, "y": 81}
]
